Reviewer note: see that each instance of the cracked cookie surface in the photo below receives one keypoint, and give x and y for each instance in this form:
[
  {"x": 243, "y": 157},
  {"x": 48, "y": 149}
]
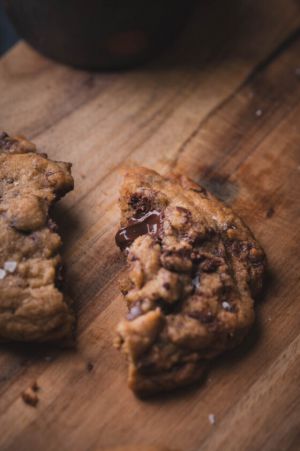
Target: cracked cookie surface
[
  {"x": 194, "y": 269},
  {"x": 32, "y": 308}
]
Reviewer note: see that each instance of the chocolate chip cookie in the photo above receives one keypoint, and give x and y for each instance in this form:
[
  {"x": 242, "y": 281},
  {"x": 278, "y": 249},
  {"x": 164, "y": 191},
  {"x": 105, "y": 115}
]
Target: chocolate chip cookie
[
  {"x": 194, "y": 270},
  {"x": 32, "y": 307}
]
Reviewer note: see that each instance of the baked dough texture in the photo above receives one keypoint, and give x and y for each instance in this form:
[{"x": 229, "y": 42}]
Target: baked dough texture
[
  {"x": 32, "y": 307},
  {"x": 194, "y": 270}
]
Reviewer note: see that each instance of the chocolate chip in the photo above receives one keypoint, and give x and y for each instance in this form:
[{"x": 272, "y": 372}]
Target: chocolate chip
[{"x": 166, "y": 307}]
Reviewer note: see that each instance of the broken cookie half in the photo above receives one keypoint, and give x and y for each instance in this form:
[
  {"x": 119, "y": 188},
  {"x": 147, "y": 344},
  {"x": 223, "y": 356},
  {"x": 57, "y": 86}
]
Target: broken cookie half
[
  {"x": 194, "y": 269},
  {"x": 32, "y": 307}
]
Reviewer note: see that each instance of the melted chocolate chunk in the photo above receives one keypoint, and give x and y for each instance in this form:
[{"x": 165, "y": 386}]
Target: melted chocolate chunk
[{"x": 150, "y": 224}]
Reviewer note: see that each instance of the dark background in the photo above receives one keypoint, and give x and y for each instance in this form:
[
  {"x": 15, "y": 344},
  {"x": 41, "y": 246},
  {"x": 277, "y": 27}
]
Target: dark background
[{"x": 8, "y": 36}]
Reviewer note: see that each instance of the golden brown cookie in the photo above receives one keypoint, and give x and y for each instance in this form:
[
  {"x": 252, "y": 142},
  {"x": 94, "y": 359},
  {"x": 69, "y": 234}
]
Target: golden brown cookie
[
  {"x": 32, "y": 308},
  {"x": 194, "y": 268}
]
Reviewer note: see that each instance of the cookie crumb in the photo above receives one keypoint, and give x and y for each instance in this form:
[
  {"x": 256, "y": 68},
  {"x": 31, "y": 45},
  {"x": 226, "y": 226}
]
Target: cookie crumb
[
  {"x": 2, "y": 273},
  {"x": 34, "y": 386},
  {"x": 30, "y": 397},
  {"x": 212, "y": 418},
  {"x": 258, "y": 112},
  {"x": 89, "y": 367},
  {"x": 10, "y": 266}
]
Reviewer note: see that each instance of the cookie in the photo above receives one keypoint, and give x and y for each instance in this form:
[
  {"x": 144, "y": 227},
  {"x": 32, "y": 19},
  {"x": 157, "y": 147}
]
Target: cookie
[
  {"x": 194, "y": 270},
  {"x": 32, "y": 307}
]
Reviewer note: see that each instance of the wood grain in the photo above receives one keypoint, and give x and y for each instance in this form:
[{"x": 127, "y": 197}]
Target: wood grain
[{"x": 222, "y": 107}]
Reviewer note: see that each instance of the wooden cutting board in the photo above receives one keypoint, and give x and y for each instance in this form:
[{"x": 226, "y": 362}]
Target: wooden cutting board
[{"x": 224, "y": 108}]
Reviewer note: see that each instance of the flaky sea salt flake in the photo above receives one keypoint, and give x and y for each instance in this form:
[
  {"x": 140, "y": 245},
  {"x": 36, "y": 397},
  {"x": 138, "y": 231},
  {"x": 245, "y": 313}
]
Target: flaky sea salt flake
[
  {"x": 2, "y": 273},
  {"x": 226, "y": 306},
  {"x": 10, "y": 265},
  {"x": 258, "y": 113},
  {"x": 212, "y": 418}
]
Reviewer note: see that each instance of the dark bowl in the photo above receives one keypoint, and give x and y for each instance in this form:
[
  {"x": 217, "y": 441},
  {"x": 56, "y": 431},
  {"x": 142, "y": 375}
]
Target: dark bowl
[{"x": 97, "y": 34}]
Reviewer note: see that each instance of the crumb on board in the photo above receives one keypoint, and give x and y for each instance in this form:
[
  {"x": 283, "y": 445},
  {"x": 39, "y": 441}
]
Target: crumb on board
[
  {"x": 30, "y": 397},
  {"x": 34, "y": 386},
  {"x": 89, "y": 366},
  {"x": 212, "y": 418}
]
